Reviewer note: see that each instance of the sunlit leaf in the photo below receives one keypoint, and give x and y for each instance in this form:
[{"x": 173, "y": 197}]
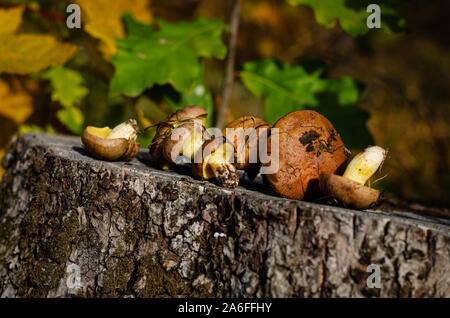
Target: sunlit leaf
[
  {"x": 351, "y": 14},
  {"x": 10, "y": 20},
  {"x": 72, "y": 118},
  {"x": 286, "y": 88},
  {"x": 168, "y": 56},
  {"x": 102, "y": 20},
  {"x": 16, "y": 105},
  {"x": 28, "y": 53},
  {"x": 67, "y": 86}
]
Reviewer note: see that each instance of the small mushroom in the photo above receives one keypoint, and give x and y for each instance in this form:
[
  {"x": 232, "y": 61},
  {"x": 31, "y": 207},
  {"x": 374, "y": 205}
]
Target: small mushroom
[
  {"x": 162, "y": 146},
  {"x": 213, "y": 160},
  {"x": 114, "y": 144},
  {"x": 350, "y": 188},
  {"x": 186, "y": 139},
  {"x": 307, "y": 146},
  {"x": 244, "y": 133}
]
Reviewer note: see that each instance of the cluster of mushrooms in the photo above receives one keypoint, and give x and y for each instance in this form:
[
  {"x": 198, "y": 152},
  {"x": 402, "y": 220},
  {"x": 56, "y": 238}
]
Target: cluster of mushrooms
[{"x": 312, "y": 159}]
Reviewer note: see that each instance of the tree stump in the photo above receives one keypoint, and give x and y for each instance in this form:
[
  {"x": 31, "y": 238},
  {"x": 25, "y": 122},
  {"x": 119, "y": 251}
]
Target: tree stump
[{"x": 73, "y": 226}]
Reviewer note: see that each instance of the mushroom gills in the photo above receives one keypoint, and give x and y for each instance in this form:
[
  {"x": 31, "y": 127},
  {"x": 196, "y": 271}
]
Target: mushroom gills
[
  {"x": 365, "y": 164},
  {"x": 127, "y": 130}
]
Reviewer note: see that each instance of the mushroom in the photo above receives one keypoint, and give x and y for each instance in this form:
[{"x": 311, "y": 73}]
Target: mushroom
[
  {"x": 244, "y": 134},
  {"x": 109, "y": 144},
  {"x": 307, "y": 146},
  {"x": 186, "y": 139},
  {"x": 350, "y": 188},
  {"x": 213, "y": 160},
  {"x": 162, "y": 146}
]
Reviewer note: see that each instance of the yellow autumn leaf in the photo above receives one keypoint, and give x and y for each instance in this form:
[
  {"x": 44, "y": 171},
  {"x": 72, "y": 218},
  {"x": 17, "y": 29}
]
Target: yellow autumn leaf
[
  {"x": 103, "y": 20},
  {"x": 28, "y": 53},
  {"x": 10, "y": 20},
  {"x": 16, "y": 105}
]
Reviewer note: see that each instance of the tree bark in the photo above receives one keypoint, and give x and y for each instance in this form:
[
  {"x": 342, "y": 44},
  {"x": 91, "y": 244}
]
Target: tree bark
[{"x": 71, "y": 225}]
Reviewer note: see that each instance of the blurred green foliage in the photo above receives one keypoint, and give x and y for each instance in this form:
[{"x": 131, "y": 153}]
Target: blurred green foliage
[
  {"x": 72, "y": 118},
  {"x": 67, "y": 86},
  {"x": 286, "y": 88},
  {"x": 351, "y": 14}
]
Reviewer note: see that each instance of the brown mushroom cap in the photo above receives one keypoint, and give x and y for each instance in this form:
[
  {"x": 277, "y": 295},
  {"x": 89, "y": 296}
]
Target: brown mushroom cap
[
  {"x": 250, "y": 144},
  {"x": 349, "y": 192},
  {"x": 308, "y": 146},
  {"x": 186, "y": 113},
  {"x": 94, "y": 140},
  {"x": 132, "y": 151},
  {"x": 165, "y": 129},
  {"x": 189, "y": 112},
  {"x": 156, "y": 151}
]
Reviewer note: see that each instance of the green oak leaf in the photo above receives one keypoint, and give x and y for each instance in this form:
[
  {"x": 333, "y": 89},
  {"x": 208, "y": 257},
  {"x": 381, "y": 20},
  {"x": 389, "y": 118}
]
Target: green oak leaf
[
  {"x": 351, "y": 14},
  {"x": 72, "y": 118},
  {"x": 287, "y": 88},
  {"x": 170, "y": 55},
  {"x": 67, "y": 86}
]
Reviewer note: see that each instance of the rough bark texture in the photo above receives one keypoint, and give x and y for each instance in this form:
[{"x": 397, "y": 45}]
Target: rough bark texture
[{"x": 132, "y": 230}]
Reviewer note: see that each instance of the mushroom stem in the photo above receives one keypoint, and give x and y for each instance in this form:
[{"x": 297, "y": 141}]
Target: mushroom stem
[
  {"x": 225, "y": 173},
  {"x": 365, "y": 164},
  {"x": 216, "y": 157}
]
